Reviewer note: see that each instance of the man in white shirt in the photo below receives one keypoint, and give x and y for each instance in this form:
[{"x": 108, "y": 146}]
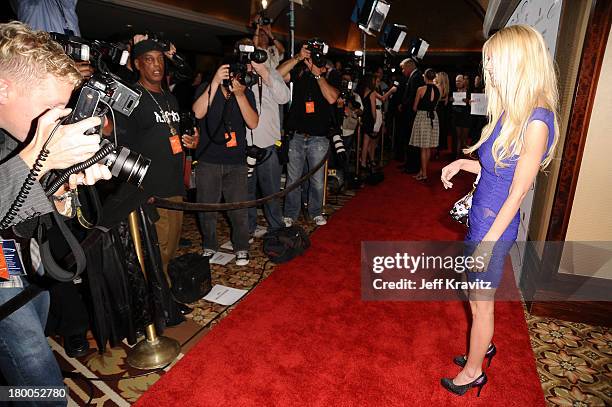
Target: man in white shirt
[
  {"x": 264, "y": 39},
  {"x": 267, "y": 174}
]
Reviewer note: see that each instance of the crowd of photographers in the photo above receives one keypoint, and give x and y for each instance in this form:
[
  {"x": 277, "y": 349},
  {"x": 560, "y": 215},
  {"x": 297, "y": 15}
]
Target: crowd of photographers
[{"x": 241, "y": 126}]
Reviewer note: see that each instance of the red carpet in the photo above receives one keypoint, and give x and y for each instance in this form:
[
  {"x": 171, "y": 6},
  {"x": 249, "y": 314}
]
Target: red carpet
[{"x": 304, "y": 337}]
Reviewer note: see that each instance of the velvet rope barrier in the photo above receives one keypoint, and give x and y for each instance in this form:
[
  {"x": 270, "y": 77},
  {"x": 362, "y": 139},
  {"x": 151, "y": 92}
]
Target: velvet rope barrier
[{"x": 209, "y": 207}]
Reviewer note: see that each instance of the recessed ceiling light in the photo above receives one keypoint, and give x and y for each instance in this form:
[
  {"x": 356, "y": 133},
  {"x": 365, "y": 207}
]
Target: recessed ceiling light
[{"x": 128, "y": 25}]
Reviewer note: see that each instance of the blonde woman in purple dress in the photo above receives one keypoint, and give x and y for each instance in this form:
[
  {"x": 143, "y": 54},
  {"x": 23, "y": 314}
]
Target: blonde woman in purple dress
[{"x": 519, "y": 141}]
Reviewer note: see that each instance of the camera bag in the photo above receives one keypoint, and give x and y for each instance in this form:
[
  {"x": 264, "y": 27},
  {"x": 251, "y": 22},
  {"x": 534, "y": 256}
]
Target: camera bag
[
  {"x": 282, "y": 245},
  {"x": 190, "y": 276}
]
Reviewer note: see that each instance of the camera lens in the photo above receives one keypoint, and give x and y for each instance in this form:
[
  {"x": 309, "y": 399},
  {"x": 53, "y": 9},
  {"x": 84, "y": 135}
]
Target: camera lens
[
  {"x": 259, "y": 56},
  {"x": 128, "y": 166}
]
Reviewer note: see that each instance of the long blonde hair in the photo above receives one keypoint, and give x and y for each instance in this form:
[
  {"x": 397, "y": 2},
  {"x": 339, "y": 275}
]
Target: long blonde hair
[
  {"x": 443, "y": 84},
  {"x": 524, "y": 77}
]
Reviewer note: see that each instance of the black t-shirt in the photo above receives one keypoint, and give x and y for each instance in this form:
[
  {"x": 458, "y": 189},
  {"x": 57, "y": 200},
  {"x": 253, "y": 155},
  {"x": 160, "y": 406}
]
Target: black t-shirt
[
  {"x": 223, "y": 117},
  {"x": 307, "y": 95},
  {"x": 147, "y": 132}
]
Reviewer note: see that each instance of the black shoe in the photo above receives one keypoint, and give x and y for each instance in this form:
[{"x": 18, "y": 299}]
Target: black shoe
[
  {"x": 491, "y": 351},
  {"x": 76, "y": 345},
  {"x": 460, "y": 390},
  {"x": 184, "y": 309}
]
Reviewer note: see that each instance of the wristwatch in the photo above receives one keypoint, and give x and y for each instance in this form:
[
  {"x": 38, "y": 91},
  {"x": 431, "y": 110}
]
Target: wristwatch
[{"x": 317, "y": 77}]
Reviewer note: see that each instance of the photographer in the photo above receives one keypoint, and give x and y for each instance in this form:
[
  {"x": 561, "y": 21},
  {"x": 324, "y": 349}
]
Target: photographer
[
  {"x": 152, "y": 130},
  {"x": 309, "y": 121},
  {"x": 28, "y": 57},
  {"x": 351, "y": 107},
  {"x": 267, "y": 174},
  {"x": 226, "y": 107},
  {"x": 264, "y": 39}
]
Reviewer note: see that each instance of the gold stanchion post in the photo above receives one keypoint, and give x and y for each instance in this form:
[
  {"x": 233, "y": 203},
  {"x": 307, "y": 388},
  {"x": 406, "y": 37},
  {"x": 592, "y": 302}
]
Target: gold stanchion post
[
  {"x": 382, "y": 144},
  {"x": 323, "y": 211},
  {"x": 358, "y": 149},
  {"x": 154, "y": 351}
]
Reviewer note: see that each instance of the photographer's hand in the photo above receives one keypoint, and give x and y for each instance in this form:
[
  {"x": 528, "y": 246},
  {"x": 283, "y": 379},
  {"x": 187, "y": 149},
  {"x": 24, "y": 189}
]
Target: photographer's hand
[
  {"x": 91, "y": 175},
  {"x": 69, "y": 145},
  {"x": 139, "y": 37},
  {"x": 85, "y": 69},
  {"x": 237, "y": 88},
  {"x": 303, "y": 54},
  {"x": 221, "y": 74},
  {"x": 191, "y": 141},
  {"x": 170, "y": 53},
  {"x": 316, "y": 71}
]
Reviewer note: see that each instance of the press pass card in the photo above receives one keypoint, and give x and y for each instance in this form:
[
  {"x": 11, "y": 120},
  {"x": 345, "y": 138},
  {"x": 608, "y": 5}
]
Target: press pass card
[{"x": 10, "y": 262}]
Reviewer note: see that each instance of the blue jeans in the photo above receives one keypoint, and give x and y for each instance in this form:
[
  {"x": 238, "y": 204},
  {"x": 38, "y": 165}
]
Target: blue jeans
[
  {"x": 310, "y": 150},
  {"x": 26, "y": 358},
  {"x": 267, "y": 175}
]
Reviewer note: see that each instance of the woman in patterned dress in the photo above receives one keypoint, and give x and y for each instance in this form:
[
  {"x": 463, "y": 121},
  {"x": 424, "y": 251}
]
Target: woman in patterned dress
[{"x": 425, "y": 130}]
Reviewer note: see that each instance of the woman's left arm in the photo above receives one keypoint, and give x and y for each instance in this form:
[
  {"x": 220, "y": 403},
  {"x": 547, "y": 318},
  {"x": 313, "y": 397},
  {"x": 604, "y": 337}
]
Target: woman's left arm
[{"x": 527, "y": 168}]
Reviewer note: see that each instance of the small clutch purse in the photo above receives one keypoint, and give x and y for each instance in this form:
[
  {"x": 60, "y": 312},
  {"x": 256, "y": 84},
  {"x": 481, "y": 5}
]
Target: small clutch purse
[{"x": 461, "y": 209}]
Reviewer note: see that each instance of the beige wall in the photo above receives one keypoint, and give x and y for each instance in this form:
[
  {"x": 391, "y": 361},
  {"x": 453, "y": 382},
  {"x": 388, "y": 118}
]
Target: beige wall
[
  {"x": 572, "y": 28},
  {"x": 591, "y": 216}
]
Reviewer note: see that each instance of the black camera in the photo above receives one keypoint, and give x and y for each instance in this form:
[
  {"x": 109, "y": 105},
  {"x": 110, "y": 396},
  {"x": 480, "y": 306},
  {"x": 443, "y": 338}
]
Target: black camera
[
  {"x": 188, "y": 122},
  {"x": 318, "y": 49},
  {"x": 262, "y": 20},
  {"x": 245, "y": 54},
  {"x": 101, "y": 92},
  {"x": 98, "y": 53},
  {"x": 347, "y": 93}
]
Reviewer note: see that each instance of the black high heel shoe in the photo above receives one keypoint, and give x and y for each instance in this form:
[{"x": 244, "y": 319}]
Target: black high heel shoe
[
  {"x": 461, "y": 389},
  {"x": 491, "y": 351}
]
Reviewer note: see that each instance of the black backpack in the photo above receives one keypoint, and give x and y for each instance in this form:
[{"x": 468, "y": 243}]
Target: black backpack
[
  {"x": 284, "y": 244},
  {"x": 190, "y": 275}
]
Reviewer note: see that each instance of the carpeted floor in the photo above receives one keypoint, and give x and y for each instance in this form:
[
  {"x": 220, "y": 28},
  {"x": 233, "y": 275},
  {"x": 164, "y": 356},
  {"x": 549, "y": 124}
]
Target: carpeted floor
[
  {"x": 574, "y": 361},
  {"x": 304, "y": 337}
]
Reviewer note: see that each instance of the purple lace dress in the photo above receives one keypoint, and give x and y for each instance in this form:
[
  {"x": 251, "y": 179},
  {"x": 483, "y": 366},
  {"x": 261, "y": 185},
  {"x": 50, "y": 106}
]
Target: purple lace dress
[{"x": 491, "y": 193}]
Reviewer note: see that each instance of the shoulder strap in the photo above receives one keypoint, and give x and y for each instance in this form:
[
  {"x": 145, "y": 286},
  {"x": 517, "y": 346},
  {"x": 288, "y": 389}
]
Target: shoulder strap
[{"x": 51, "y": 267}]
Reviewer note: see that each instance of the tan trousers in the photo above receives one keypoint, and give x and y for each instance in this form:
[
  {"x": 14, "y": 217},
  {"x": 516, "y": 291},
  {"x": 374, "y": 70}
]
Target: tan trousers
[{"x": 169, "y": 227}]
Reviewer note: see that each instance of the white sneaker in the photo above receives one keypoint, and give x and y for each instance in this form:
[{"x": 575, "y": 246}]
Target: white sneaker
[
  {"x": 242, "y": 258},
  {"x": 320, "y": 220},
  {"x": 208, "y": 253},
  {"x": 288, "y": 222}
]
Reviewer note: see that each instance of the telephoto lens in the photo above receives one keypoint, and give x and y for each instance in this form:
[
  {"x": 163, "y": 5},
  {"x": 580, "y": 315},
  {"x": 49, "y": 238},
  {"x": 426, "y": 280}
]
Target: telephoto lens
[
  {"x": 339, "y": 146},
  {"x": 251, "y": 164}
]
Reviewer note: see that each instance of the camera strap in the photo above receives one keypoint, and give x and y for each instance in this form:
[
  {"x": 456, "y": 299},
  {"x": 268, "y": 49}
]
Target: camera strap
[{"x": 53, "y": 269}]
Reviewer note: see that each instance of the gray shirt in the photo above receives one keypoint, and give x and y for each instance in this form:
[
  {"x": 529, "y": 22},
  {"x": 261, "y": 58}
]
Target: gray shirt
[
  {"x": 276, "y": 93},
  {"x": 13, "y": 172}
]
